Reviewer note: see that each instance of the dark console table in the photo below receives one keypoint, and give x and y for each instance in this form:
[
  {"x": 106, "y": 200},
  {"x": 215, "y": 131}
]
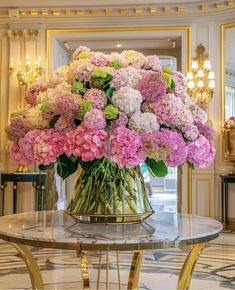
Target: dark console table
[
  {"x": 225, "y": 180},
  {"x": 38, "y": 181}
]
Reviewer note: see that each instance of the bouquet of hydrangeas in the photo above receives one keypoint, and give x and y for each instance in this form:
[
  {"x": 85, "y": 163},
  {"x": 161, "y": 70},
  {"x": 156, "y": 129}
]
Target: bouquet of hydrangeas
[{"x": 106, "y": 114}]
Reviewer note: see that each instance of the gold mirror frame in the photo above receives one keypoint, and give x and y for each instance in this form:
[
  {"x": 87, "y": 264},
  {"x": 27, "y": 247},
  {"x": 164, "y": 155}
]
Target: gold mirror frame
[
  {"x": 222, "y": 33},
  {"x": 185, "y": 29}
]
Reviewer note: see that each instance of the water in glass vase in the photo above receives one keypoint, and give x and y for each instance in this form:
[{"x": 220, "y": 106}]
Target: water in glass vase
[{"x": 105, "y": 193}]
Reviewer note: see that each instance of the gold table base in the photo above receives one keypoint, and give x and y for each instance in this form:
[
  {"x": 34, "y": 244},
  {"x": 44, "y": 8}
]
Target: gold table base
[{"x": 134, "y": 274}]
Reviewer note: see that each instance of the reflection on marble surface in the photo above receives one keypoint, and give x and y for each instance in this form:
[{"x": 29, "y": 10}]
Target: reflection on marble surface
[
  {"x": 215, "y": 269},
  {"x": 161, "y": 230}
]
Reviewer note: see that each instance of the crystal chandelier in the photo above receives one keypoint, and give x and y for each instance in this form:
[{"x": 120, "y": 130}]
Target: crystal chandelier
[
  {"x": 26, "y": 74},
  {"x": 201, "y": 80}
]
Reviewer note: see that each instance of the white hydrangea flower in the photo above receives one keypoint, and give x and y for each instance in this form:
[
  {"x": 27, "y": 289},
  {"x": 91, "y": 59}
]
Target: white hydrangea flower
[
  {"x": 143, "y": 122},
  {"x": 35, "y": 118},
  {"x": 127, "y": 100},
  {"x": 134, "y": 57}
]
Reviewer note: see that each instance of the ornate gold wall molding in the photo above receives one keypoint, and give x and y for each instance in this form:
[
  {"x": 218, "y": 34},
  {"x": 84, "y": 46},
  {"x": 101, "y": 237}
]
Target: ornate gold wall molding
[
  {"x": 27, "y": 34},
  {"x": 125, "y": 10}
]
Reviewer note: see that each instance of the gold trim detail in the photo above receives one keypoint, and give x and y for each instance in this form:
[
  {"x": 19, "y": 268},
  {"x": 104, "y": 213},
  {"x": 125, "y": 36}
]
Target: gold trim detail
[
  {"x": 204, "y": 7},
  {"x": 219, "y": 5},
  {"x": 180, "y": 9},
  {"x": 80, "y": 12},
  {"x": 123, "y": 11},
  {"x": 44, "y": 12},
  {"x": 84, "y": 271},
  {"x": 153, "y": 10},
  {"x": 230, "y": 2},
  {"x": 138, "y": 11},
  {"x": 33, "y": 12},
  {"x": 188, "y": 267},
  {"x": 166, "y": 9},
  {"x": 31, "y": 264},
  {"x": 94, "y": 12},
  {"x": 56, "y": 13},
  {"x": 222, "y": 68},
  {"x": 67, "y": 12},
  {"x": 22, "y": 12},
  {"x": 108, "y": 11},
  {"x": 134, "y": 275}
]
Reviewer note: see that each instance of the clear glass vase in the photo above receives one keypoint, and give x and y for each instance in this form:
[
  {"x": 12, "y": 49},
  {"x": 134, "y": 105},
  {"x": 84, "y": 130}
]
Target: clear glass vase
[{"x": 107, "y": 194}]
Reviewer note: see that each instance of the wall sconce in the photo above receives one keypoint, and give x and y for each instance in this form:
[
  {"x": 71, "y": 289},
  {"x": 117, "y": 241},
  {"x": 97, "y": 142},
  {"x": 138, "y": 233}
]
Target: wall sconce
[
  {"x": 27, "y": 73},
  {"x": 201, "y": 80}
]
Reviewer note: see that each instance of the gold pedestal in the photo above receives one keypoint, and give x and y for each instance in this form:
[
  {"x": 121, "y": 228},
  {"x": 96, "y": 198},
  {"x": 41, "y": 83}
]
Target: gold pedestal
[{"x": 22, "y": 168}]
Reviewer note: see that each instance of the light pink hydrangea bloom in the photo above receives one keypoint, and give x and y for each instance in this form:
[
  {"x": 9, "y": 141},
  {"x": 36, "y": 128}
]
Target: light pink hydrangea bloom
[
  {"x": 201, "y": 152},
  {"x": 66, "y": 105},
  {"x": 33, "y": 91},
  {"x": 152, "y": 62},
  {"x": 48, "y": 146},
  {"x": 26, "y": 144},
  {"x": 79, "y": 50},
  {"x": 127, "y": 100},
  {"x": 97, "y": 97},
  {"x": 126, "y": 148},
  {"x": 152, "y": 86},
  {"x": 121, "y": 121},
  {"x": 87, "y": 144},
  {"x": 94, "y": 120},
  {"x": 143, "y": 122},
  {"x": 18, "y": 155},
  {"x": 99, "y": 59},
  {"x": 120, "y": 79}
]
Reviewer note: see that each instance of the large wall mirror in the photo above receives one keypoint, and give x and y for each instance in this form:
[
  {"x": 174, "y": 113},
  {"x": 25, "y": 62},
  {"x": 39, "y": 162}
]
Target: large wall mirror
[
  {"x": 171, "y": 44},
  {"x": 228, "y": 71}
]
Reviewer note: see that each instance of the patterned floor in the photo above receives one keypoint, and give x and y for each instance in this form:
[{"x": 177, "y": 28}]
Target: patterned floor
[{"x": 60, "y": 269}]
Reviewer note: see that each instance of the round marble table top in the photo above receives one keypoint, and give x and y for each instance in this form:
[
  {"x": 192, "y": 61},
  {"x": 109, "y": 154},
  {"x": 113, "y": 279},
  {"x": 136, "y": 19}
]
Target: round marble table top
[{"x": 55, "y": 229}]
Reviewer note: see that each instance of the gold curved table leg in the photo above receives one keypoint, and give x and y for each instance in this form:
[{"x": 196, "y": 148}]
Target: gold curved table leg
[
  {"x": 134, "y": 275},
  {"x": 84, "y": 271},
  {"x": 189, "y": 264},
  {"x": 32, "y": 266}
]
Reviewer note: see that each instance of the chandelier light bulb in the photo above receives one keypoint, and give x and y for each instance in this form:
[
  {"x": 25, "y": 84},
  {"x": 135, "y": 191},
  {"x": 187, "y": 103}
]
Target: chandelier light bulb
[
  {"x": 191, "y": 84},
  {"x": 189, "y": 76},
  {"x": 211, "y": 84},
  {"x": 207, "y": 64},
  {"x": 200, "y": 84},
  {"x": 200, "y": 73},
  {"x": 211, "y": 75},
  {"x": 194, "y": 64}
]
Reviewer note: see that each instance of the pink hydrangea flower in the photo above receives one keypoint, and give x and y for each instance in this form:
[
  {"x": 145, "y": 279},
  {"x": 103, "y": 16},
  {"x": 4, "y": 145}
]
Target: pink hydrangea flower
[
  {"x": 190, "y": 132},
  {"x": 26, "y": 144},
  {"x": 206, "y": 130},
  {"x": 180, "y": 84},
  {"x": 88, "y": 144},
  {"x": 178, "y": 148},
  {"x": 18, "y": 155},
  {"x": 152, "y": 62},
  {"x": 201, "y": 152},
  {"x": 18, "y": 127},
  {"x": 48, "y": 145},
  {"x": 126, "y": 148},
  {"x": 166, "y": 145},
  {"x": 99, "y": 59},
  {"x": 66, "y": 105},
  {"x": 80, "y": 50},
  {"x": 121, "y": 121},
  {"x": 64, "y": 124},
  {"x": 94, "y": 120},
  {"x": 171, "y": 111},
  {"x": 33, "y": 91},
  {"x": 84, "y": 71},
  {"x": 120, "y": 79},
  {"x": 152, "y": 86},
  {"x": 97, "y": 97}
]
